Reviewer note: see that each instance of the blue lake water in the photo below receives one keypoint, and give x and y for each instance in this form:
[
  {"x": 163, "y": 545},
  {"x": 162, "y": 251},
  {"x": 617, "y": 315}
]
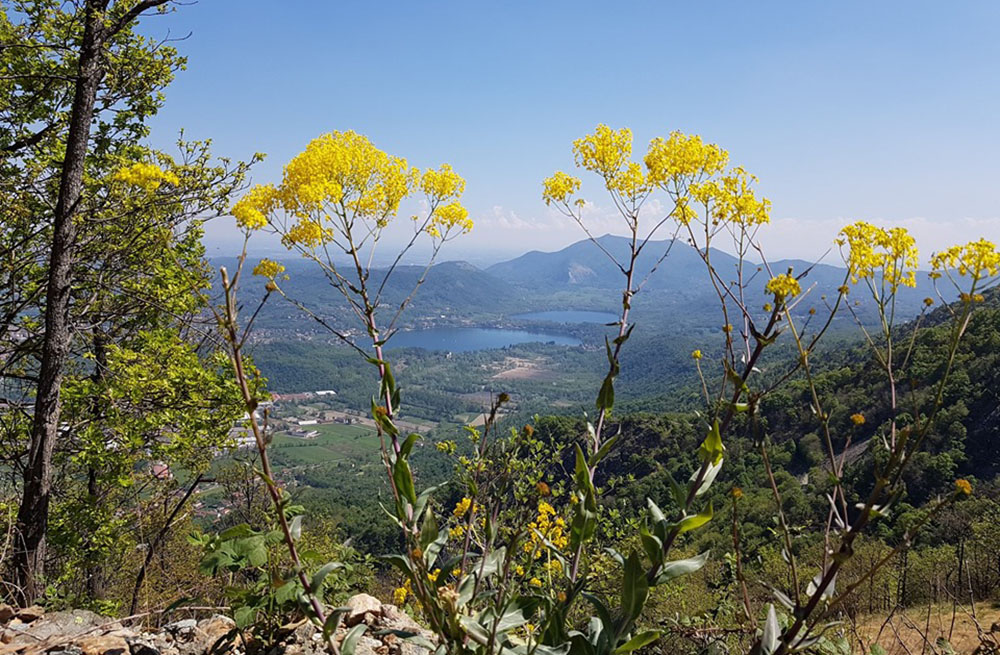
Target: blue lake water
[
  {"x": 469, "y": 339},
  {"x": 568, "y": 316}
]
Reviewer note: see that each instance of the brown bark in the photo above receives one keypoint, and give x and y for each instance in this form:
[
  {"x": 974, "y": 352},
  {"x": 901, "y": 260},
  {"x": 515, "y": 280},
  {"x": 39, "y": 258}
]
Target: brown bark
[{"x": 33, "y": 513}]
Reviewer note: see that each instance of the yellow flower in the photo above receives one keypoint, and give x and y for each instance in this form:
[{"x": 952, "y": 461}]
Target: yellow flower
[
  {"x": 858, "y": 419},
  {"x": 561, "y": 596},
  {"x": 307, "y": 233},
  {"x": 976, "y": 259},
  {"x": 873, "y": 251},
  {"x": 963, "y": 487},
  {"x": 696, "y": 354},
  {"x": 554, "y": 566},
  {"x": 668, "y": 160},
  {"x": 456, "y": 531},
  {"x": 269, "y": 269},
  {"x": 559, "y": 187},
  {"x": 447, "y": 217},
  {"x": 736, "y": 493},
  {"x": 605, "y": 152},
  {"x": 928, "y": 302},
  {"x": 399, "y": 595},
  {"x": 783, "y": 286},
  {"x": 535, "y": 582},
  {"x": 442, "y": 183},
  {"x": 630, "y": 182},
  {"x": 461, "y": 507},
  {"x": 252, "y": 209},
  {"x": 148, "y": 176},
  {"x": 732, "y": 199},
  {"x": 519, "y": 570},
  {"x": 727, "y": 328}
]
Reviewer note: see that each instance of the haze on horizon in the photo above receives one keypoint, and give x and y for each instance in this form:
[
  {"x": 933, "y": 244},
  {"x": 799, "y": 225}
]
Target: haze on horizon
[{"x": 846, "y": 111}]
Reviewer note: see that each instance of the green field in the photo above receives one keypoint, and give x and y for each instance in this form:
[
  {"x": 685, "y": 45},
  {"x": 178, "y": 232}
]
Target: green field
[{"x": 335, "y": 442}]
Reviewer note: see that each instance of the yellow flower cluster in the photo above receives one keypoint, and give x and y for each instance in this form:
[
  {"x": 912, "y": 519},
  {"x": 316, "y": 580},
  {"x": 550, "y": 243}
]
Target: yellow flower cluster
[
  {"x": 858, "y": 419},
  {"x": 268, "y": 268},
  {"x": 308, "y": 233},
  {"x": 682, "y": 156},
  {"x": 399, "y": 595},
  {"x": 695, "y": 354},
  {"x": 462, "y": 507},
  {"x": 874, "y": 250},
  {"x": 630, "y": 182},
  {"x": 559, "y": 187},
  {"x": 146, "y": 175},
  {"x": 783, "y": 286},
  {"x": 963, "y": 487},
  {"x": 605, "y": 151},
  {"x": 442, "y": 183},
  {"x": 732, "y": 199},
  {"x": 447, "y": 217},
  {"x": 976, "y": 259},
  {"x": 252, "y": 209},
  {"x": 550, "y": 526},
  {"x": 345, "y": 168}
]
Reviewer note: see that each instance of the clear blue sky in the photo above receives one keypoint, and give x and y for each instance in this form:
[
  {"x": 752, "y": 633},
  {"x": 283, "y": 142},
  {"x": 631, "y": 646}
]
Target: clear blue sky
[{"x": 879, "y": 110}]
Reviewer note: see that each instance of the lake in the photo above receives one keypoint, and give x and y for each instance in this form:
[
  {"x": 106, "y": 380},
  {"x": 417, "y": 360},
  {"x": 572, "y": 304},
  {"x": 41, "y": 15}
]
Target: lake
[
  {"x": 469, "y": 339},
  {"x": 568, "y": 316}
]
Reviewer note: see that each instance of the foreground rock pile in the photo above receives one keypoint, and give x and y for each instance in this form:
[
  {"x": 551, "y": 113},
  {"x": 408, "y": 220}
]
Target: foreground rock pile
[{"x": 33, "y": 631}]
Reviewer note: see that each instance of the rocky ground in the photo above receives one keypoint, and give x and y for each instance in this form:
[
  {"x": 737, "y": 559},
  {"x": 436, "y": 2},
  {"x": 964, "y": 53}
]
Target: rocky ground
[{"x": 33, "y": 631}]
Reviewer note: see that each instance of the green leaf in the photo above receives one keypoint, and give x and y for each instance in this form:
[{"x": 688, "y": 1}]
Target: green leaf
[
  {"x": 428, "y": 530},
  {"x": 680, "y": 567},
  {"x": 596, "y": 458},
  {"x": 517, "y": 612},
  {"x": 652, "y": 545},
  {"x": 638, "y": 641},
  {"x": 769, "y": 640},
  {"x": 635, "y": 589},
  {"x": 606, "y": 396},
  {"x": 696, "y": 521},
  {"x": 295, "y": 528},
  {"x": 711, "y": 449},
  {"x": 351, "y": 639},
  {"x": 316, "y": 584},
  {"x": 244, "y": 616},
  {"x": 403, "y": 478},
  {"x": 407, "y": 446}
]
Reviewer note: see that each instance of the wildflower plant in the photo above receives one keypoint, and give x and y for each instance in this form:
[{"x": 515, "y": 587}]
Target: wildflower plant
[{"x": 511, "y": 563}]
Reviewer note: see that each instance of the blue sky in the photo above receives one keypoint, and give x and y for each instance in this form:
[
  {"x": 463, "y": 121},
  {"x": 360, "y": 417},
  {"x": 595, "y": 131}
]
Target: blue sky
[{"x": 879, "y": 110}]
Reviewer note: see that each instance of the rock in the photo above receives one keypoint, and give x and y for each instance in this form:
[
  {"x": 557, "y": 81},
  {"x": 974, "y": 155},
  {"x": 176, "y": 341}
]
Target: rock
[
  {"x": 183, "y": 629},
  {"x": 67, "y": 624},
  {"x": 394, "y": 618},
  {"x": 102, "y": 645},
  {"x": 6, "y": 612},
  {"x": 368, "y": 646},
  {"x": 65, "y": 650},
  {"x": 142, "y": 645},
  {"x": 360, "y": 605},
  {"x": 29, "y": 614},
  {"x": 213, "y": 635}
]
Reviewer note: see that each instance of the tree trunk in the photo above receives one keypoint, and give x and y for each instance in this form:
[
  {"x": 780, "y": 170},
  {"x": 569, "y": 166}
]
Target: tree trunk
[
  {"x": 95, "y": 570},
  {"x": 33, "y": 514}
]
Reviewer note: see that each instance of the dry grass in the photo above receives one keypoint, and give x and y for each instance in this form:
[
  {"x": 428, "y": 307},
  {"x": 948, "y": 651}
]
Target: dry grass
[{"x": 917, "y": 630}]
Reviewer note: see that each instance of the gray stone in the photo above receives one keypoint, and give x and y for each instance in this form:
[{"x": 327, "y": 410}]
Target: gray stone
[
  {"x": 183, "y": 629},
  {"x": 360, "y": 605}
]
